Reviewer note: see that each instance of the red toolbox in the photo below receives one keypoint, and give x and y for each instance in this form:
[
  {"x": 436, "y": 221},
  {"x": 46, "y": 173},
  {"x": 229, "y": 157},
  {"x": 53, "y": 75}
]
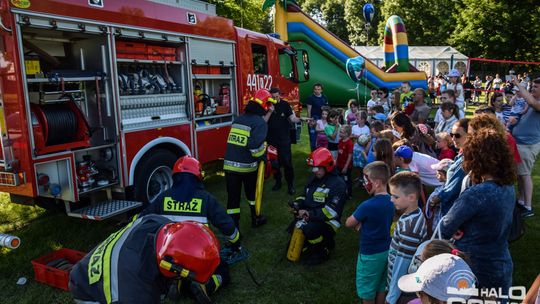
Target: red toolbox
[
  {"x": 155, "y": 52},
  {"x": 55, "y": 277},
  {"x": 131, "y": 50}
]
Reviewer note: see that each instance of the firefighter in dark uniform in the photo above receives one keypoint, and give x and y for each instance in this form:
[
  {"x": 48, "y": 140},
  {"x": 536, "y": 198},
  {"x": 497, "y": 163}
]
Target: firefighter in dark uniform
[
  {"x": 321, "y": 207},
  {"x": 187, "y": 200},
  {"x": 137, "y": 263},
  {"x": 280, "y": 117},
  {"x": 246, "y": 147}
]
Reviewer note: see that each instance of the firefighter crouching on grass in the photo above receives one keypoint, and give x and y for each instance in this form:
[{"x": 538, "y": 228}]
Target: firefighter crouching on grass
[
  {"x": 246, "y": 147},
  {"x": 187, "y": 200},
  {"x": 319, "y": 210},
  {"x": 138, "y": 263}
]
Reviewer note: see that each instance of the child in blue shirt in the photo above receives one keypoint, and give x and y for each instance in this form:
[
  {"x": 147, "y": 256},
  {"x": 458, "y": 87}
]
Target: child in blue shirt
[
  {"x": 517, "y": 106},
  {"x": 359, "y": 151},
  {"x": 376, "y": 127},
  {"x": 373, "y": 219}
]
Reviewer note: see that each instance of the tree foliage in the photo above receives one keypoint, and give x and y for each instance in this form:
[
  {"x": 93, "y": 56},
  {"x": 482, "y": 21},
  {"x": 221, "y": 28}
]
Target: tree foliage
[
  {"x": 356, "y": 24},
  {"x": 497, "y": 29},
  {"x": 427, "y": 22},
  {"x": 330, "y": 13},
  {"x": 245, "y": 13}
]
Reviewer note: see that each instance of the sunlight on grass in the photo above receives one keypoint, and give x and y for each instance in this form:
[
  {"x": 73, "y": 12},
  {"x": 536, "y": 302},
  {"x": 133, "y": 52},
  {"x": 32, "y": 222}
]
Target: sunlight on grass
[
  {"x": 14, "y": 216},
  {"x": 283, "y": 281}
]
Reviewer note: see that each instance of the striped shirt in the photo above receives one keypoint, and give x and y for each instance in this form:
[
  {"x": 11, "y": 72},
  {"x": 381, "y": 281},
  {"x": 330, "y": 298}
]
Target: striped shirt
[{"x": 410, "y": 232}]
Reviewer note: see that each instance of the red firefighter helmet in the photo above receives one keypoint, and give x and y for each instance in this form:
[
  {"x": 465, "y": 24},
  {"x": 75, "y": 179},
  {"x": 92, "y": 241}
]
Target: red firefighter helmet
[
  {"x": 188, "y": 249},
  {"x": 322, "y": 158},
  {"x": 188, "y": 164},
  {"x": 263, "y": 98}
]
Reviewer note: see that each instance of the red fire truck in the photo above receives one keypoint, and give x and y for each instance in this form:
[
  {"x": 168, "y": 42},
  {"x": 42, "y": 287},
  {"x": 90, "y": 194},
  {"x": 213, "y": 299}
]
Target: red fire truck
[{"x": 100, "y": 97}]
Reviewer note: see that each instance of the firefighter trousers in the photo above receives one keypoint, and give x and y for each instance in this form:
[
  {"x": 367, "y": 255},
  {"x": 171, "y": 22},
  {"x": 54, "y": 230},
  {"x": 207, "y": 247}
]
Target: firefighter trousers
[
  {"x": 319, "y": 235},
  {"x": 285, "y": 161},
  {"x": 234, "y": 182}
]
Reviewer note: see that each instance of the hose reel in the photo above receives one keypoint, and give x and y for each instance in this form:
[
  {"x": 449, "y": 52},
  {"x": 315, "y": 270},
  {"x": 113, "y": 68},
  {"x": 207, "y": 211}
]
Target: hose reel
[{"x": 60, "y": 126}]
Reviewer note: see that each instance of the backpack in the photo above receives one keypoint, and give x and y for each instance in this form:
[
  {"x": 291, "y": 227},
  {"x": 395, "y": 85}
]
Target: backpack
[{"x": 517, "y": 229}]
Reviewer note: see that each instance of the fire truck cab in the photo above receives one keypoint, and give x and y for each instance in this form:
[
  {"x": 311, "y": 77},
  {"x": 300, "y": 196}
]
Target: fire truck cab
[{"x": 99, "y": 98}]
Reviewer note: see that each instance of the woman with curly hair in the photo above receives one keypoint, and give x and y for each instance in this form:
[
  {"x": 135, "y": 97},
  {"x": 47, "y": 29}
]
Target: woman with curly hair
[
  {"x": 480, "y": 219},
  {"x": 490, "y": 121}
]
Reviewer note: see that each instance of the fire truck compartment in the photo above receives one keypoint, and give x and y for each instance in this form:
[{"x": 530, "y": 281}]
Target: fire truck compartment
[
  {"x": 152, "y": 83},
  {"x": 69, "y": 89},
  {"x": 54, "y": 179}
]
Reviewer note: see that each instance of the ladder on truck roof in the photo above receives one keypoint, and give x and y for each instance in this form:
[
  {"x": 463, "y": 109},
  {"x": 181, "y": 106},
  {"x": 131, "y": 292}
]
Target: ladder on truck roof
[{"x": 195, "y": 5}]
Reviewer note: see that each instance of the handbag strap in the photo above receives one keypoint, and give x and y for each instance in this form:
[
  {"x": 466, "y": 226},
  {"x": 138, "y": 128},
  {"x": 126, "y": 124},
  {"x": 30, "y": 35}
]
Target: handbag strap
[{"x": 437, "y": 232}]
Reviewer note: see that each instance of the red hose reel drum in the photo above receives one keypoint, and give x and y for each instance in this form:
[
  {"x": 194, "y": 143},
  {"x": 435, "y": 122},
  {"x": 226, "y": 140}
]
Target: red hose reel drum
[{"x": 59, "y": 127}]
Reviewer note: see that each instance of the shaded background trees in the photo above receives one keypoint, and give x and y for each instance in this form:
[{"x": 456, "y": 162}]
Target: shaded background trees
[
  {"x": 497, "y": 29},
  {"x": 245, "y": 13}
]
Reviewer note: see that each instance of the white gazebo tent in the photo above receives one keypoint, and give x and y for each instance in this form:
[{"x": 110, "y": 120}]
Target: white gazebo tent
[{"x": 430, "y": 59}]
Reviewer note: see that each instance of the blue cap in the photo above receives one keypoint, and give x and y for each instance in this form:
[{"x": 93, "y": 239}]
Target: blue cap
[
  {"x": 404, "y": 151},
  {"x": 454, "y": 73},
  {"x": 379, "y": 116}
]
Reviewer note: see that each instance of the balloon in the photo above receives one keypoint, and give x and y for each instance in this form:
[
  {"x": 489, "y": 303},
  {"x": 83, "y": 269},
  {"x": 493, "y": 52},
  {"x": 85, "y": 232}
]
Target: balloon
[
  {"x": 356, "y": 68},
  {"x": 369, "y": 11}
]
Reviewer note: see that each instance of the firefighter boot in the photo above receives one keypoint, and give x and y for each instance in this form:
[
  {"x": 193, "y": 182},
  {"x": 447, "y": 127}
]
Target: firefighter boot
[
  {"x": 315, "y": 254},
  {"x": 277, "y": 185},
  {"x": 200, "y": 293},
  {"x": 236, "y": 219},
  {"x": 256, "y": 221},
  {"x": 290, "y": 189}
]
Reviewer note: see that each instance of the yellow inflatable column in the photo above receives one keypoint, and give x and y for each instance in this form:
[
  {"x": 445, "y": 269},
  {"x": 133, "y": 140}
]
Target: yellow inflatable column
[{"x": 280, "y": 21}]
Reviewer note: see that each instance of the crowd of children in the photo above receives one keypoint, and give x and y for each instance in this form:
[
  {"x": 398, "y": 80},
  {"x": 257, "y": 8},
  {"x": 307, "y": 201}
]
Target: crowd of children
[{"x": 417, "y": 171}]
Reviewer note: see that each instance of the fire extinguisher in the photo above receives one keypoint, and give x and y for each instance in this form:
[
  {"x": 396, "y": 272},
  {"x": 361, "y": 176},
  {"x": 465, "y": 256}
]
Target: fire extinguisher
[
  {"x": 297, "y": 242},
  {"x": 224, "y": 94},
  {"x": 197, "y": 92}
]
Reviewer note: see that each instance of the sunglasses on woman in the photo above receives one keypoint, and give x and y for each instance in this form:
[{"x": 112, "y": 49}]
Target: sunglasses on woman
[{"x": 456, "y": 135}]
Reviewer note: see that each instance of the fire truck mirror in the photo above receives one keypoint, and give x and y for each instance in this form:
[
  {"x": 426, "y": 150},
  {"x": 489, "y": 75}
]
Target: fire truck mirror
[{"x": 303, "y": 69}]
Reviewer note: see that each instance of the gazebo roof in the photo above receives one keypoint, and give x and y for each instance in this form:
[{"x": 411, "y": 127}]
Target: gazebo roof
[{"x": 415, "y": 52}]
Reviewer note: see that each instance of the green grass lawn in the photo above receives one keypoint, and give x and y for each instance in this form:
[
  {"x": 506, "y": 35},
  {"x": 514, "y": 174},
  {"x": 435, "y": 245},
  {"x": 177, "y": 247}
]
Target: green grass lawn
[{"x": 283, "y": 282}]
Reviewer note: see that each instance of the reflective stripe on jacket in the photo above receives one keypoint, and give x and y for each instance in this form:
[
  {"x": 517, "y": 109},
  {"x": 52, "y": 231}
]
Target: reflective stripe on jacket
[
  {"x": 325, "y": 198},
  {"x": 245, "y": 144},
  {"x": 188, "y": 201},
  {"x": 123, "y": 268}
]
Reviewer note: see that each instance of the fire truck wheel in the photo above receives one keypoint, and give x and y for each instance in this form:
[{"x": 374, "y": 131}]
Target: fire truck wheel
[{"x": 153, "y": 175}]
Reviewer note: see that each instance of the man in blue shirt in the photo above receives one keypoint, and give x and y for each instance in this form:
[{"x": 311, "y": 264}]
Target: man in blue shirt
[
  {"x": 314, "y": 104},
  {"x": 527, "y": 135}
]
